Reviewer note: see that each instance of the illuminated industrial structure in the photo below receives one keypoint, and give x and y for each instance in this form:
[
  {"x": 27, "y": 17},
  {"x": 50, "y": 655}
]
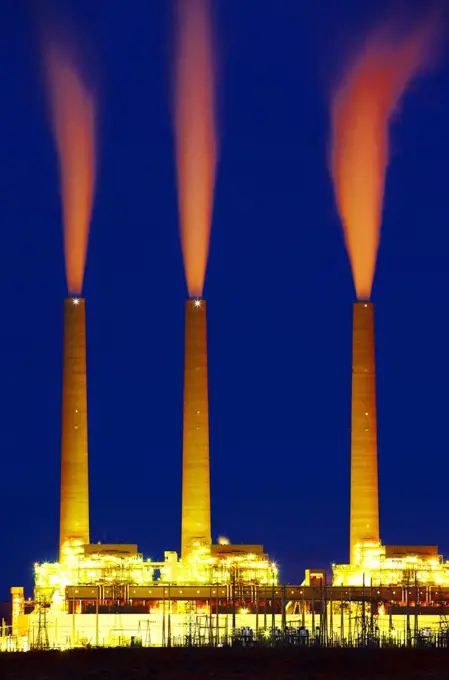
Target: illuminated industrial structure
[
  {"x": 117, "y": 578},
  {"x": 74, "y": 514},
  {"x": 370, "y": 561},
  {"x": 394, "y": 565},
  {"x": 111, "y": 595},
  {"x": 364, "y": 522},
  {"x": 196, "y": 528},
  {"x": 106, "y": 594}
]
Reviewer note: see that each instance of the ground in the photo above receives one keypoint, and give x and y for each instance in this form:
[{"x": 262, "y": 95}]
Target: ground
[{"x": 227, "y": 664}]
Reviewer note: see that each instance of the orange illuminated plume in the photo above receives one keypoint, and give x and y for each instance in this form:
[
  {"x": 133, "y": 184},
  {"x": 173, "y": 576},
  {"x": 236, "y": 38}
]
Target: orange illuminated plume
[
  {"x": 195, "y": 135},
  {"x": 73, "y": 115},
  {"x": 361, "y": 109}
]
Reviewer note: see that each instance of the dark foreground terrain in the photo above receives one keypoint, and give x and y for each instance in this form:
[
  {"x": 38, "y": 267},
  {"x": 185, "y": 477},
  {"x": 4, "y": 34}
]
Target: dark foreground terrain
[{"x": 227, "y": 664}]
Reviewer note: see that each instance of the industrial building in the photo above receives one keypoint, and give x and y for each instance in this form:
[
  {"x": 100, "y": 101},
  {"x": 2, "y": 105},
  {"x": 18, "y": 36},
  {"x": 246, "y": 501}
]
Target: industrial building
[
  {"x": 103, "y": 582},
  {"x": 108, "y": 595},
  {"x": 370, "y": 561}
]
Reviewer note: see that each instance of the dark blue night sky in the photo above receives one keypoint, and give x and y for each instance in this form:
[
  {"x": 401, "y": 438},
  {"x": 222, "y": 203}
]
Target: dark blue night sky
[{"x": 278, "y": 286}]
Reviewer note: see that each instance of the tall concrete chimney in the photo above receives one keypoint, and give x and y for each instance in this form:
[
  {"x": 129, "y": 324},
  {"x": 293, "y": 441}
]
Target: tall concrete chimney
[
  {"x": 74, "y": 518},
  {"x": 196, "y": 531},
  {"x": 364, "y": 484}
]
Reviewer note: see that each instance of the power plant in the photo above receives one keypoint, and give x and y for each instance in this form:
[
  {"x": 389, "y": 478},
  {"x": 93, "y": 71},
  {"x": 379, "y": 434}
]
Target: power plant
[
  {"x": 109, "y": 595},
  {"x": 206, "y": 593}
]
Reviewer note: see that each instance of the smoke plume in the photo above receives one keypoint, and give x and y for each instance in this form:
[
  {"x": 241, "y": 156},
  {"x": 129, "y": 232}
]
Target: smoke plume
[
  {"x": 195, "y": 135},
  {"x": 73, "y": 121},
  {"x": 361, "y": 110}
]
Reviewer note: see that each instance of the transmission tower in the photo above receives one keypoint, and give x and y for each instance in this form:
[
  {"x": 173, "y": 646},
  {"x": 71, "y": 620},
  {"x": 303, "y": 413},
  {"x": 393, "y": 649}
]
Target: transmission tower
[
  {"x": 42, "y": 632},
  {"x": 190, "y": 623}
]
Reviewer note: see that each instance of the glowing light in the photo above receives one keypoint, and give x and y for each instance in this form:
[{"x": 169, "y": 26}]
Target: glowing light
[
  {"x": 197, "y": 303},
  {"x": 195, "y": 135},
  {"x": 73, "y": 116},
  {"x": 223, "y": 540},
  {"x": 361, "y": 110},
  {"x": 76, "y": 301}
]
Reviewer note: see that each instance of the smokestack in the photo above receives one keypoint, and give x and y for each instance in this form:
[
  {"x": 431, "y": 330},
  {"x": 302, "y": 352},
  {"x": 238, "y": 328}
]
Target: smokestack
[
  {"x": 364, "y": 486},
  {"x": 196, "y": 530},
  {"x": 74, "y": 519}
]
